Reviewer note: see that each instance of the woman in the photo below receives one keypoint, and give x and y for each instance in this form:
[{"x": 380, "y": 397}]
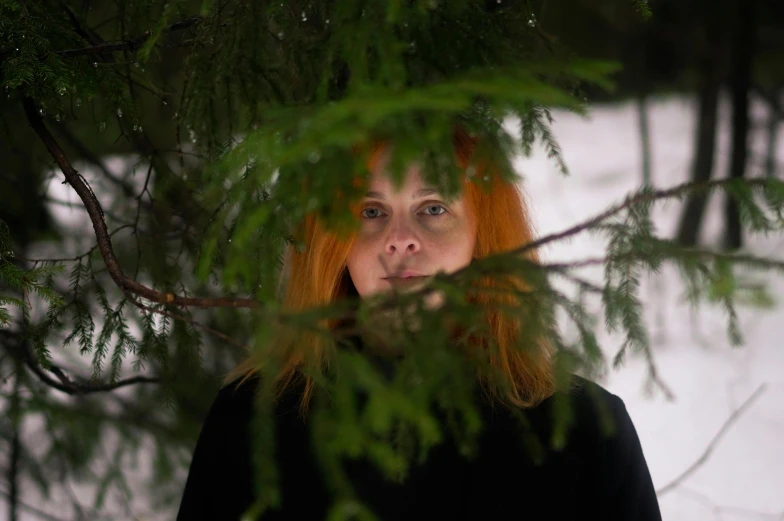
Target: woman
[{"x": 416, "y": 231}]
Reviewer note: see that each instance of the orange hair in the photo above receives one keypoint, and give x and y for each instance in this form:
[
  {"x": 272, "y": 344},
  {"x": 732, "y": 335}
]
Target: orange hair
[{"x": 317, "y": 276}]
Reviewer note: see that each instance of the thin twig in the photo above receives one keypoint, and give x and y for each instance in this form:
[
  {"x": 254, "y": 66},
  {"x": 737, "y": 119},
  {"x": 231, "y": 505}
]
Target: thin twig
[
  {"x": 85, "y": 152},
  {"x": 66, "y": 384},
  {"x": 712, "y": 445},
  {"x": 729, "y": 509},
  {"x": 136, "y": 222},
  {"x": 78, "y": 257},
  {"x": 650, "y": 196},
  {"x": 194, "y": 323},
  {"x": 130, "y": 45},
  {"x": 696, "y": 252}
]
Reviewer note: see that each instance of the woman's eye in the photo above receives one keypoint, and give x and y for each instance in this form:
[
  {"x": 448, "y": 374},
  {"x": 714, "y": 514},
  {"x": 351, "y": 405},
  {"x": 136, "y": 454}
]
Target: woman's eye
[
  {"x": 371, "y": 209},
  {"x": 372, "y": 213},
  {"x": 437, "y": 206}
]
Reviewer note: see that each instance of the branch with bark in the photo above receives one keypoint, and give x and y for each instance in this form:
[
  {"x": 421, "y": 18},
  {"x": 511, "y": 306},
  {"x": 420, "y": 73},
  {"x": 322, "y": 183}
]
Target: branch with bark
[
  {"x": 63, "y": 382},
  {"x": 85, "y": 193},
  {"x": 133, "y": 44},
  {"x": 650, "y": 196}
]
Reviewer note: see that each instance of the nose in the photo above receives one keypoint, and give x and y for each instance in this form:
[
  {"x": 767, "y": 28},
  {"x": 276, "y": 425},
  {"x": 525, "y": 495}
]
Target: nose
[{"x": 401, "y": 239}]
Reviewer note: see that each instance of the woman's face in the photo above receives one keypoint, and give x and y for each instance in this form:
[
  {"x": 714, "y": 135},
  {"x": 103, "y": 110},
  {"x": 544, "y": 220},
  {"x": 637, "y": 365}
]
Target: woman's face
[{"x": 411, "y": 231}]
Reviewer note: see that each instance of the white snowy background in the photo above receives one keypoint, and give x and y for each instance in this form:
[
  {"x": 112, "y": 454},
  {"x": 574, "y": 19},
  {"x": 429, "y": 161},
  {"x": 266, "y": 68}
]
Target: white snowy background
[{"x": 741, "y": 477}]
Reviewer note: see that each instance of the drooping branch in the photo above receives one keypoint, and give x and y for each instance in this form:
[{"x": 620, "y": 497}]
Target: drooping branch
[
  {"x": 64, "y": 383},
  {"x": 643, "y": 197},
  {"x": 760, "y": 262},
  {"x": 125, "y": 283},
  {"x": 129, "y": 45}
]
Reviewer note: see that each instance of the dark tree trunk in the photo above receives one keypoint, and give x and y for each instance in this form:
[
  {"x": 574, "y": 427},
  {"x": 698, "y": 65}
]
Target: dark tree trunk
[
  {"x": 774, "y": 120},
  {"x": 773, "y": 135},
  {"x": 711, "y": 70},
  {"x": 741, "y": 63},
  {"x": 702, "y": 167},
  {"x": 13, "y": 468},
  {"x": 645, "y": 139}
]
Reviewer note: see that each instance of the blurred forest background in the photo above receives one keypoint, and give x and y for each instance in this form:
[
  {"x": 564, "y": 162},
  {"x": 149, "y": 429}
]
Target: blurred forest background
[{"x": 710, "y": 51}]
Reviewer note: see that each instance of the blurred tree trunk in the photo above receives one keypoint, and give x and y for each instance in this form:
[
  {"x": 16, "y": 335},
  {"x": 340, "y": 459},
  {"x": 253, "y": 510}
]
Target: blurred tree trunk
[
  {"x": 645, "y": 138},
  {"x": 774, "y": 120},
  {"x": 740, "y": 84},
  {"x": 13, "y": 468},
  {"x": 710, "y": 81}
]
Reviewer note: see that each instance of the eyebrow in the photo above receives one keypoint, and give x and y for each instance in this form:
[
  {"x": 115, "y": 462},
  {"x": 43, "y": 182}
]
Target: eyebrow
[{"x": 422, "y": 192}]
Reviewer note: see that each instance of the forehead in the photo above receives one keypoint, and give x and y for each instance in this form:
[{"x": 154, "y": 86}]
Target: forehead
[{"x": 381, "y": 180}]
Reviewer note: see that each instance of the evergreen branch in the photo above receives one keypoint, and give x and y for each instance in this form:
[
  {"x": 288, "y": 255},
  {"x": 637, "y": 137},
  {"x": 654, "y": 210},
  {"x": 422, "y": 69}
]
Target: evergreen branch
[
  {"x": 645, "y": 196},
  {"x": 86, "y": 33},
  {"x": 751, "y": 260},
  {"x": 125, "y": 283},
  {"x": 712, "y": 445},
  {"x": 90, "y": 156},
  {"x": 643, "y": 8},
  {"x": 194, "y": 323},
  {"x": 129, "y": 45},
  {"x": 78, "y": 257},
  {"x": 64, "y": 383},
  {"x": 77, "y": 206},
  {"x": 563, "y": 270}
]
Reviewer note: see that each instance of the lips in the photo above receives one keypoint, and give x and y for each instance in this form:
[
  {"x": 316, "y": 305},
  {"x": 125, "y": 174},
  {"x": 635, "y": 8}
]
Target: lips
[
  {"x": 406, "y": 274},
  {"x": 405, "y": 281}
]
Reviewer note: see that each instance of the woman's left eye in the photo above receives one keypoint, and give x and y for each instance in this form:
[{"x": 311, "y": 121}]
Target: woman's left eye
[{"x": 431, "y": 206}]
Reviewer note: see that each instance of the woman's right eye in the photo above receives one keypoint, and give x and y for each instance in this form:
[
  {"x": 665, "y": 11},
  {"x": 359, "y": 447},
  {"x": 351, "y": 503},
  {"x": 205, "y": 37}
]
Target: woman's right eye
[{"x": 363, "y": 214}]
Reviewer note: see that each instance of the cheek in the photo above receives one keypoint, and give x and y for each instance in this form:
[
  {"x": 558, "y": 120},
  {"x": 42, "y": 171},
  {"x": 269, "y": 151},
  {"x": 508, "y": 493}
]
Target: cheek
[
  {"x": 358, "y": 263},
  {"x": 456, "y": 238},
  {"x": 454, "y": 253}
]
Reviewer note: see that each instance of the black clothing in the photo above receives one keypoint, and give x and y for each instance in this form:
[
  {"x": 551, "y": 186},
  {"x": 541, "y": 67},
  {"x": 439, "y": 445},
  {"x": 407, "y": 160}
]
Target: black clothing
[{"x": 593, "y": 477}]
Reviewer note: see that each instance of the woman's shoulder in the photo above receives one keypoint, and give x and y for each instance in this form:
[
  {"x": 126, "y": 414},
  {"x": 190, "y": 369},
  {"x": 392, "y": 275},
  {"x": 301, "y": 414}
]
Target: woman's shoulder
[
  {"x": 238, "y": 394},
  {"x": 237, "y": 397},
  {"x": 242, "y": 387},
  {"x": 589, "y": 407},
  {"x": 582, "y": 413},
  {"x": 602, "y": 436},
  {"x": 598, "y": 413}
]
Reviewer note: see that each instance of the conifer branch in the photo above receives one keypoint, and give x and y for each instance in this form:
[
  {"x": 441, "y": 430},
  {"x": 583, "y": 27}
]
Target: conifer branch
[
  {"x": 88, "y": 155},
  {"x": 129, "y": 45},
  {"x": 63, "y": 382},
  {"x": 125, "y": 283},
  {"x": 751, "y": 260},
  {"x": 192, "y": 322},
  {"x": 645, "y": 196}
]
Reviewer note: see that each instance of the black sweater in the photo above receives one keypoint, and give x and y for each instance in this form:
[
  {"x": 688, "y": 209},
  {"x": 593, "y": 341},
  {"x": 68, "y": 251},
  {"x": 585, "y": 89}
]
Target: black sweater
[{"x": 594, "y": 477}]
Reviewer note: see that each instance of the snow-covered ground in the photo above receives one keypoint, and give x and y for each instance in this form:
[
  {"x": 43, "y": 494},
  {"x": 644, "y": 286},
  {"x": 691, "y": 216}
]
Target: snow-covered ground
[{"x": 743, "y": 476}]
